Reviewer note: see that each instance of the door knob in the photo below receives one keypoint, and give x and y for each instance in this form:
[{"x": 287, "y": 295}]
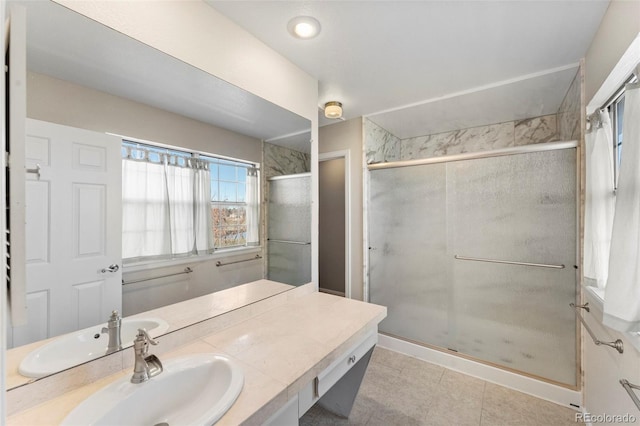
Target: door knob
[{"x": 111, "y": 268}]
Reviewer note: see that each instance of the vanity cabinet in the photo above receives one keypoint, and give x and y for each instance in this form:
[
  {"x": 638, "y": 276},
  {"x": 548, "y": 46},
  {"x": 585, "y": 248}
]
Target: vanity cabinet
[{"x": 334, "y": 388}]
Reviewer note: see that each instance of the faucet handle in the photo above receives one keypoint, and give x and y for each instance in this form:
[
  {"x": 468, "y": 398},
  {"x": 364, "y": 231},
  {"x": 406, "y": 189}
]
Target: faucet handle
[{"x": 144, "y": 336}]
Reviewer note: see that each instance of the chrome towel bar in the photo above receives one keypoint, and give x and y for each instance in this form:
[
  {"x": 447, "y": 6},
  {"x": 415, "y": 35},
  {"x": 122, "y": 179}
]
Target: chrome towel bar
[
  {"x": 302, "y": 243},
  {"x": 509, "y": 262},
  {"x": 187, "y": 270},
  {"x": 219, "y": 263},
  {"x": 617, "y": 344},
  {"x": 629, "y": 387}
]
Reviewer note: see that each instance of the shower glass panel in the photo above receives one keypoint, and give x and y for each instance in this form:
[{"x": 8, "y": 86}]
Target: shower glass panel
[
  {"x": 518, "y": 208},
  {"x": 289, "y": 229},
  {"x": 408, "y": 262}
]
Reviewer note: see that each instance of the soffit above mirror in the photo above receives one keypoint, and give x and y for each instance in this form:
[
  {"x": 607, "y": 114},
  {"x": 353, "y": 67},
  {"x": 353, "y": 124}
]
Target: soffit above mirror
[{"x": 71, "y": 47}]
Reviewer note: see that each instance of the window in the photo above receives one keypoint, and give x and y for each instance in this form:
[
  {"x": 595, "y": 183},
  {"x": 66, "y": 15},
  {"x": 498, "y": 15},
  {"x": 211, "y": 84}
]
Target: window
[
  {"x": 231, "y": 190},
  {"x": 616, "y": 111},
  {"x": 178, "y": 203},
  {"x": 615, "y": 107}
]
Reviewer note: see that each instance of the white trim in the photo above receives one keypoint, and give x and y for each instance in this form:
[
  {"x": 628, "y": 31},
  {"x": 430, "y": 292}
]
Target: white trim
[
  {"x": 4, "y": 315},
  {"x": 333, "y": 292},
  {"x": 528, "y": 385},
  {"x": 346, "y": 155},
  {"x": 625, "y": 67},
  {"x": 365, "y": 214}
]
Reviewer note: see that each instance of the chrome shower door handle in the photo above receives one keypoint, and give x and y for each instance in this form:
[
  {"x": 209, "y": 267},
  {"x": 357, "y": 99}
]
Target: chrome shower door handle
[{"x": 111, "y": 268}]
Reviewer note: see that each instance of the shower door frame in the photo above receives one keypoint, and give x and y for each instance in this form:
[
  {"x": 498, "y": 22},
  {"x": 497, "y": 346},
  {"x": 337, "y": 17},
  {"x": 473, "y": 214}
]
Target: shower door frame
[{"x": 524, "y": 149}]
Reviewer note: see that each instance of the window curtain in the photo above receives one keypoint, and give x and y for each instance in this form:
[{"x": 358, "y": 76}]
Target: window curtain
[
  {"x": 203, "y": 229},
  {"x": 145, "y": 210},
  {"x": 253, "y": 207},
  {"x": 599, "y": 200},
  {"x": 165, "y": 208},
  {"x": 622, "y": 294}
]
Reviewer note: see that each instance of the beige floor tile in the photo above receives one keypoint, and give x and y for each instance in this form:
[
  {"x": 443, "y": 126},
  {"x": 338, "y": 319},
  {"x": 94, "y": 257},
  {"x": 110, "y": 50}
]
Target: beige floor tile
[{"x": 402, "y": 390}]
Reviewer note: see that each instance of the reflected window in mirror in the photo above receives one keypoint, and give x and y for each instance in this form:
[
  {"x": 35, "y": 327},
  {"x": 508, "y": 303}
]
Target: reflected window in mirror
[{"x": 177, "y": 203}]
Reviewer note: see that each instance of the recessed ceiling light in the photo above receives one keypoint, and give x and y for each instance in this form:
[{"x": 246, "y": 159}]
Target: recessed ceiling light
[{"x": 304, "y": 27}]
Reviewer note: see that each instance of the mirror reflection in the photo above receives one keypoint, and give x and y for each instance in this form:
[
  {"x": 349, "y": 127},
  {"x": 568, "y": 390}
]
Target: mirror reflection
[{"x": 152, "y": 188}]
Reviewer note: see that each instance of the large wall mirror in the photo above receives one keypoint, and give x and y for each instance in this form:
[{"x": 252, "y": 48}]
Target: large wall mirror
[{"x": 85, "y": 81}]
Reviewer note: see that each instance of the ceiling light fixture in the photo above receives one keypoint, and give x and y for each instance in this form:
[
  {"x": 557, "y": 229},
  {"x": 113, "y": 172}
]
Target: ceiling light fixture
[
  {"x": 304, "y": 27},
  {"x": 333, "y": 109}
]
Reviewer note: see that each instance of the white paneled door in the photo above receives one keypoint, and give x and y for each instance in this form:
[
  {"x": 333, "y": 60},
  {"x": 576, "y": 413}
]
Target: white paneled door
[{"x": 73, "y": 230}]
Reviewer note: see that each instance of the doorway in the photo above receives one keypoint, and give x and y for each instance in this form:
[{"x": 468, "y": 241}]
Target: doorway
[{"x": 334, "y": 247}]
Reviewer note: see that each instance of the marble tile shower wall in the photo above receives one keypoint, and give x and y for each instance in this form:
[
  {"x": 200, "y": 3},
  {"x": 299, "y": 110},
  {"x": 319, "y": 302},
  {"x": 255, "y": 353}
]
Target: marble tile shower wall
[
  {"x": 382, "y": 146},
  {"x": 280, "y": 161},
  {"x": 569, "y": 112}
]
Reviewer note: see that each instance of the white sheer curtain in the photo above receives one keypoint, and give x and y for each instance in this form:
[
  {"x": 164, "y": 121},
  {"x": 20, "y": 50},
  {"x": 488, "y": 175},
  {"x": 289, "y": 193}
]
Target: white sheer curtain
[
  {"x": 165, "y": 208},
  {"x": 622, "y": 294},
  {"x": 599, "y": 202},
  {"x": 145, "y": 210},
  {"x": 253, "y": 207},
  {"x": 180, "y": 186},
  {"x": 203, "y": 231}
]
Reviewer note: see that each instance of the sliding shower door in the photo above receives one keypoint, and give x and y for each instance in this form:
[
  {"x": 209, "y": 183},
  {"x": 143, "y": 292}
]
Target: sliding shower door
[
  {"x": 289, "y": 229},
  {"x": 408, "y": 266},
  {"x": 478, "y": 256}
]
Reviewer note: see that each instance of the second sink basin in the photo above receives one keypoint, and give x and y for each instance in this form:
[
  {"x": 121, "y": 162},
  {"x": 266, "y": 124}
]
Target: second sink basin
[
  {"x": 193, "y": 390},
  {"x": 75, "y": 348}
]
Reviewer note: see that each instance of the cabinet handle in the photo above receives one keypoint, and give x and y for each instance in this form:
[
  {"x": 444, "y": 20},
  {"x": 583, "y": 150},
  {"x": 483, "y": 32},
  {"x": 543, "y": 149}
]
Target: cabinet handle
[{"x": 352, "y": 359}]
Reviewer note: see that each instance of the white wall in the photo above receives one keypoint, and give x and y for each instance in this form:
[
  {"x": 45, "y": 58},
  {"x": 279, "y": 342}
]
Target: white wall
[
  {"x": 61, "y": 102},
  {"x": 619, "y": 26},
  {"x": 602, "y": 366},
  {"x": 342, "y": 136}
]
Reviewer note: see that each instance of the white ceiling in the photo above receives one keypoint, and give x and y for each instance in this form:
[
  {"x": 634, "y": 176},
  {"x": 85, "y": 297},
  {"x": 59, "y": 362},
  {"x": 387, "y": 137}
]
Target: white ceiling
[{"x": 376, "y": 56}]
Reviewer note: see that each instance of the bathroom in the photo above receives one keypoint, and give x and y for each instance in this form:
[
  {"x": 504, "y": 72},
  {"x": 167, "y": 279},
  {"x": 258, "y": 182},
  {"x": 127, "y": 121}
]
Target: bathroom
[{"x": 584, "y": 378}]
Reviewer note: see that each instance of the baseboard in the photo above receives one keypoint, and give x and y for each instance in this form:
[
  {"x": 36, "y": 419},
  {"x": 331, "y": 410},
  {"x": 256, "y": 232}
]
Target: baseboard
[
  {"x": 547, "y": 391},
  {"x": 334, "y": 292}
]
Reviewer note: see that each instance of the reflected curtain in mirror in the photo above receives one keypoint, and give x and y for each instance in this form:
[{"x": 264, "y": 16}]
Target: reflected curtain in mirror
[{"x": 165, "y": 205}]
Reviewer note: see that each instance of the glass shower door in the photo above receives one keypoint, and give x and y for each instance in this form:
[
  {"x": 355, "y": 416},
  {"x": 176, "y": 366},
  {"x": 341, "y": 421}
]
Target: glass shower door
[
  {"x": 518, "y": 208},
  {"x": 289, "y": 229},
  {"x": 432, "y": 228},
  {"x": 408, "y": 269}
]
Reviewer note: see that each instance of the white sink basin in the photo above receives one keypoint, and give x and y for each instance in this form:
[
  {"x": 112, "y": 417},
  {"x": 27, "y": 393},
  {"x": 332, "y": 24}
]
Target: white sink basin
[
  {"x": 194, "y": 390},
  {"x": 81, "y": 346}
]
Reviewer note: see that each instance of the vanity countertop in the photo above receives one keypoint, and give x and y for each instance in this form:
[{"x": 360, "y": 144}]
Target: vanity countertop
[
  {"x": 280, "y": 350},
  {"x": 177, "y": 315}
]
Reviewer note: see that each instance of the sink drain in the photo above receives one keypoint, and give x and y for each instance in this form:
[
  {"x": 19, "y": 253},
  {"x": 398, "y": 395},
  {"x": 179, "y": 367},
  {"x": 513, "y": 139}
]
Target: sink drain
[{"x": 162, "y": 424}]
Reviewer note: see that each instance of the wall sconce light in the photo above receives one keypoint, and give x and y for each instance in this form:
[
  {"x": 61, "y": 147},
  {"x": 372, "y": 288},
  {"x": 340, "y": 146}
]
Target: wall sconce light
[{"x": 333, "y": 109}]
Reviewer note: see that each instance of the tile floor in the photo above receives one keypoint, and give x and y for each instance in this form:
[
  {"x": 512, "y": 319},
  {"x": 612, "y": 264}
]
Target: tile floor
[{"x": 402, "y": 390}]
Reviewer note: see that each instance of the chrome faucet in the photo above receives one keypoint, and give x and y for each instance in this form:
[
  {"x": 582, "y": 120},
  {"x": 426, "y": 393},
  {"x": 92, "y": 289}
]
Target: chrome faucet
[
  {"x": 145, "y": 367},
  {"x": 113, "y": 328}
]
